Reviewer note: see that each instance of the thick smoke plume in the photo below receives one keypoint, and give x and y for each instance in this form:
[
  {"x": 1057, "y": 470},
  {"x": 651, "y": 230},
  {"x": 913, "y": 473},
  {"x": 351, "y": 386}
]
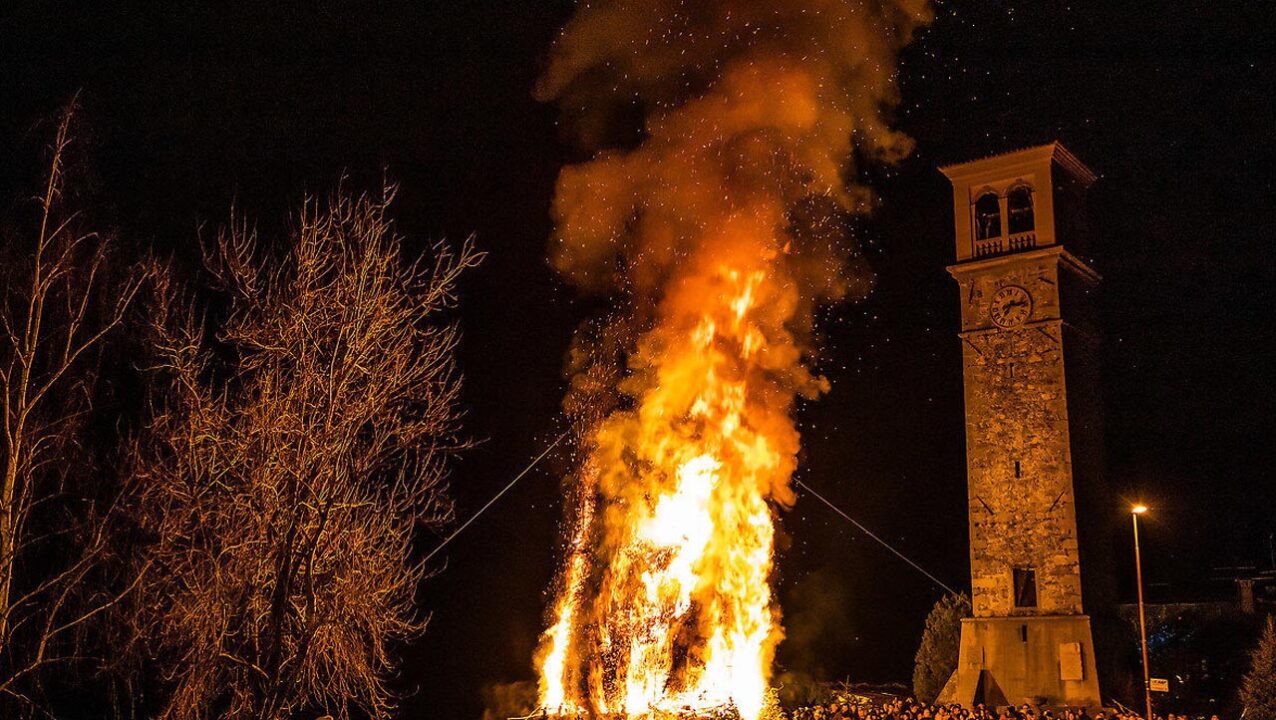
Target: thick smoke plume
[{"x": 715, "y": 232}]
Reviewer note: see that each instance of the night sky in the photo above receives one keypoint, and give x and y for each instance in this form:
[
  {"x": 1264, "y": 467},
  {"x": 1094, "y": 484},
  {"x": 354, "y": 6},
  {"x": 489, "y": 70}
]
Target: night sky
[{"x": 193, "y": 107}]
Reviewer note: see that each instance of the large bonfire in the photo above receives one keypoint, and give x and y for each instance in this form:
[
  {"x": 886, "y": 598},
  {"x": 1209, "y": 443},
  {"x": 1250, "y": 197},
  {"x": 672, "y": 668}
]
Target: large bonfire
[{"x": 716, "y": 234}]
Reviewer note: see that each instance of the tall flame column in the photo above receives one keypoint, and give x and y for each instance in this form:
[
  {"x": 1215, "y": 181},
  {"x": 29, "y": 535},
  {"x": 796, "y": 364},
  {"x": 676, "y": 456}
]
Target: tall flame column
[{"x": 714, "y": 236}]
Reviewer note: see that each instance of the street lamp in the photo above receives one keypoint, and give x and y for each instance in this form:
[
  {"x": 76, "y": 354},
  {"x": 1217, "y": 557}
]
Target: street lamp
[{"x": 1135, "y": 512}]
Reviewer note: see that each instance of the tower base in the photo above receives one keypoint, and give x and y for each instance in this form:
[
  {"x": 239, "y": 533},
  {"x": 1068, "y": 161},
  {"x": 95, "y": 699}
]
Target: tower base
[{"x": 1039, "y": 660}]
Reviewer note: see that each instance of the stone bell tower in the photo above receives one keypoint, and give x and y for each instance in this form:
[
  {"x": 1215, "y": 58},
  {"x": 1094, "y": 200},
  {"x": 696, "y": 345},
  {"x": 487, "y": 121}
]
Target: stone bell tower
[{"x": 1033, "y": 436}]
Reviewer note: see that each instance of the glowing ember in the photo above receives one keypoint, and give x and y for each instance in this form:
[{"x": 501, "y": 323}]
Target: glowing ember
[{"x": 718, "y": 235}]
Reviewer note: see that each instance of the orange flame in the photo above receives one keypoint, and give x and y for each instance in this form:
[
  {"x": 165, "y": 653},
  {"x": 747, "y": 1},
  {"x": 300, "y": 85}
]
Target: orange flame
[
  {"x": 718, "y": 233},
  {"x": 694, "y": 551}
]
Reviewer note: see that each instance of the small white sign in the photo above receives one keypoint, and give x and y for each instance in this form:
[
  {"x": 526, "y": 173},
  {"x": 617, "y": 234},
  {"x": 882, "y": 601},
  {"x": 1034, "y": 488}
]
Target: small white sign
[{"x": 1159, "y": 685}]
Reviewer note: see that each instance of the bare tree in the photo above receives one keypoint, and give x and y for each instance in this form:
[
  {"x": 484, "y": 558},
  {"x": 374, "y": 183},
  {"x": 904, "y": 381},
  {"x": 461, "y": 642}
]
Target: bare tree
[
  {"x": 58, "y": 309},
  {"x": 296, "y": 451}
]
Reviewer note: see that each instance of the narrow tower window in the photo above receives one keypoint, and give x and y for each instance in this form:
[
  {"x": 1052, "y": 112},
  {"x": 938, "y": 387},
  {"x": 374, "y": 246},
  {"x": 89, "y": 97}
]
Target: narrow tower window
[
  {"x": 987, "y": 216},
  {"x": 1019, "y": 210},
  {"x": 1025, "y": 588}
]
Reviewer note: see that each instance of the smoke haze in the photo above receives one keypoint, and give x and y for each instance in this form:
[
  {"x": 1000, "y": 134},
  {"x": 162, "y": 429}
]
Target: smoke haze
[{"x": 715, "y": 232}]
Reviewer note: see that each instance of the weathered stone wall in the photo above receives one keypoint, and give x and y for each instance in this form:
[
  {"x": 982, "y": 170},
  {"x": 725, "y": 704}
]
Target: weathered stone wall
[{"x": 1019, "y": 466}]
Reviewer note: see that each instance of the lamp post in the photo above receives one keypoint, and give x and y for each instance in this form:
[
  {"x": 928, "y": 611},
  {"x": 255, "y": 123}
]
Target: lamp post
[{"x": 1135, "y": 512}]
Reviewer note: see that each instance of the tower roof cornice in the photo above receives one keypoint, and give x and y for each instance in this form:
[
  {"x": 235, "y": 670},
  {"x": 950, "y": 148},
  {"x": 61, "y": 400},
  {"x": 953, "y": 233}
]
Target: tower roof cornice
[{"x": 1051, "y": 152}]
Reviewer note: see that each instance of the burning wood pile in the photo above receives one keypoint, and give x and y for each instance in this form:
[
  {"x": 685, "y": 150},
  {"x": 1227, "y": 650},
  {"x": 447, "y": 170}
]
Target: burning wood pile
[
  {"x": 714, "y": 238},
  {"x": 721, "y": 712}
]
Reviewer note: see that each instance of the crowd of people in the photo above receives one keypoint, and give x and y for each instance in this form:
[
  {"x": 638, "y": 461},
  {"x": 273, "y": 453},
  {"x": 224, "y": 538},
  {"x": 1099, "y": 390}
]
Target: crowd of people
[{"x": 853, "y": 707}]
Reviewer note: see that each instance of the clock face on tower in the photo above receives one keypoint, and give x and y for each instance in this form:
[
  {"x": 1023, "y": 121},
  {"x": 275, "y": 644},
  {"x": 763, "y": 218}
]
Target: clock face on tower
[{"x": 1010, "y": 307}]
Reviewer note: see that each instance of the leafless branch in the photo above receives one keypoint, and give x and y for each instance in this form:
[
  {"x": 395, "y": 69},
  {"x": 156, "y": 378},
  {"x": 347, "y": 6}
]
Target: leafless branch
[
  {"x": 58, "y": 310},
  {"x": 283, "y": 485}
]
